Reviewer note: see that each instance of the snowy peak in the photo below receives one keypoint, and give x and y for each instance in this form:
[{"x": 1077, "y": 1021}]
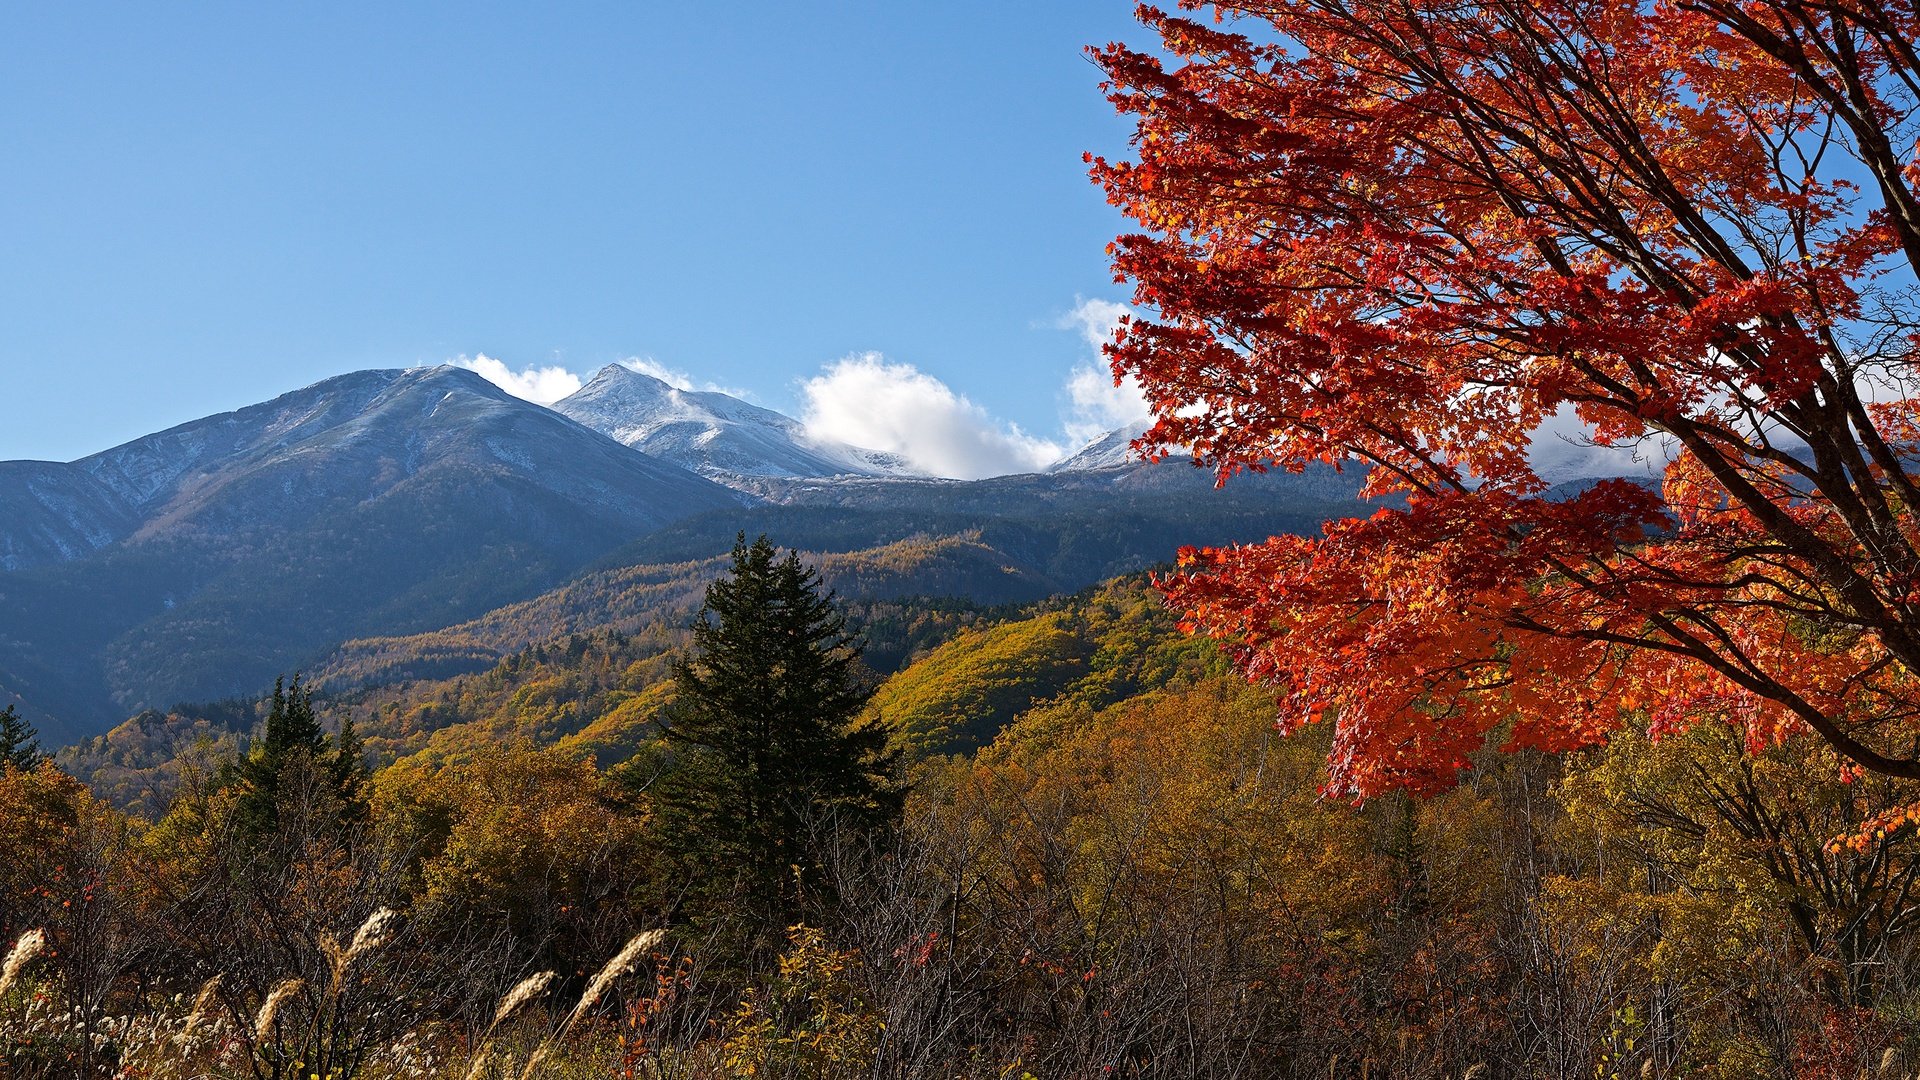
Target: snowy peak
[
  {"x": 344, "y": 441},
  {"x": 635, "y": 402},
  {"x": 151, "y": 470},
  {"x": 712, "y": 433},
  {"x": 1114, "y": 450}
]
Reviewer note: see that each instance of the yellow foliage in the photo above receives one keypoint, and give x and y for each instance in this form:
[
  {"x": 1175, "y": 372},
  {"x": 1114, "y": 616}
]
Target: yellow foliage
[
  {"x": 518, "y": 834},
  {"x": 1175, "y": 797},
  {"x": 809, "y": 1023}
]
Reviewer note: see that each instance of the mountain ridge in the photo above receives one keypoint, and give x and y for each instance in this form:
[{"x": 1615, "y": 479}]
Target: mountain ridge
[
  {"x": 713, "y": 433},
  {"x": 366, "y": 521},
  {"x": 244, "y": 543}
]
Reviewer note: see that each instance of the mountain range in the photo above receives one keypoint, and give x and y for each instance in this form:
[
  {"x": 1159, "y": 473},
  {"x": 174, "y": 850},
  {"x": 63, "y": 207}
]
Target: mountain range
[{"x": 202, "y": 561}]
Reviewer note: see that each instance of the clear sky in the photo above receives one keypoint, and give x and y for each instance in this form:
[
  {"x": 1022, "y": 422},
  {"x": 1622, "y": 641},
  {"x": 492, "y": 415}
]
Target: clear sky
[{"x": 205, "y": 205}]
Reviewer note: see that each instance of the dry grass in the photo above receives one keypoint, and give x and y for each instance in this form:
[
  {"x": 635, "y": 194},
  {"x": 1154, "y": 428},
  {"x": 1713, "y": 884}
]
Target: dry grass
[
  {"x": 29, "y": 945},
  {"x": 270, "y": 1008}
]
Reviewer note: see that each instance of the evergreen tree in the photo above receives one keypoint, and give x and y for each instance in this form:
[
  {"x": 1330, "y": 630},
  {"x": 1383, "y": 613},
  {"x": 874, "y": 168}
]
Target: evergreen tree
[
  {"x": 19, "y": 743},
  {"x": 768, "y": 762},
  {"x": 347, "y": 768},
  {"x": 294, "y": 745}
]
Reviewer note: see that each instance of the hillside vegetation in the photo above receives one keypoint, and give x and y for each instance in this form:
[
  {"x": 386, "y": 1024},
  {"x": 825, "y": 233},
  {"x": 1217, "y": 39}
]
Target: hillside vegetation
[
  {"x": 1093, "y": 649},
  {"x": 1109, "y": 860}
]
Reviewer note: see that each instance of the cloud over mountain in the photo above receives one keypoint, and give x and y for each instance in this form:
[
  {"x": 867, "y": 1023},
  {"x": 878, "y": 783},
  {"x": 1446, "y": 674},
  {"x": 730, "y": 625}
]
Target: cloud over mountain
[
  {"x": 541, "y": 385},
  {"x": 914, "y": 419},
  {"x": 867, "y": 401},
  {"x": 1096, "y": 405}
]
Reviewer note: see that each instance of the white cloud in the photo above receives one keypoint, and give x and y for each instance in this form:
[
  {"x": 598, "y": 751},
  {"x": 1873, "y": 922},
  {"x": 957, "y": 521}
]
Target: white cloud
[
  {"x": 646, "y": 365},
  {"x": 1099, "y": 406},
  {"x": 1096, "y": 320},
  {"x": 1562, "y": 448},
  {"x": 866, "y": 401},
  {"x": 1096, "y": 404},
  {"x": 543, "y": 385},
  {"x": 680, "y": 380}
]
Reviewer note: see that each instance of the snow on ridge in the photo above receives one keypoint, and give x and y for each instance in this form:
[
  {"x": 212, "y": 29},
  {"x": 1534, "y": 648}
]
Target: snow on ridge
[{"x": 713, "y": 433}]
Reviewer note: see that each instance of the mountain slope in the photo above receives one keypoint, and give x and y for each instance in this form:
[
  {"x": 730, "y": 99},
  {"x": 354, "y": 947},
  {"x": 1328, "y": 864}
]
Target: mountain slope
[
  {"x": 1110, "y": 451},
  {"x": 711, "y": 433},
  {"x": 153, "y": 470},
  {"x": 51, "y": 512},
  {"x": 632, "y": 599},
  {"x": 1013, "y": 540},
  {"x": 380, "y": 502}
]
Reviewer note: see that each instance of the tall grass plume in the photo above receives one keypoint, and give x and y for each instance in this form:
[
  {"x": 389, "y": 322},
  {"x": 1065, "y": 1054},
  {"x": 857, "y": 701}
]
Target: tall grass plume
[
  {"x": 622, "y": 962},
  {"x": 271, "y": 1007},
  {"x": 202, "y": 1003},
  {"x": 523, "y": 991},
  {"x": 30, "y": 944}
]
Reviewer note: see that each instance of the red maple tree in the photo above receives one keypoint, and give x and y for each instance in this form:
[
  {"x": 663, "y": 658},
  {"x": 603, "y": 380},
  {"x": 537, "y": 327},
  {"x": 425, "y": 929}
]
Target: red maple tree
[{"x": 1406, "y": 233}]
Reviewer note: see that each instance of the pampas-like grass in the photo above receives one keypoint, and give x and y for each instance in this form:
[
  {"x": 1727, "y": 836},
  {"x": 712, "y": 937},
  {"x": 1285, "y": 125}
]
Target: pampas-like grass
[
  {"x": 524, "y": 991},
  {"x": 201, "y": 1002},
  {"x": 271, "y": 1006},
  {"x": 622, "y": 962},
  {"x": 30, "y": 945},
  {"x": 374, "y": 932},
  {"x": 538, "y": 1059}
]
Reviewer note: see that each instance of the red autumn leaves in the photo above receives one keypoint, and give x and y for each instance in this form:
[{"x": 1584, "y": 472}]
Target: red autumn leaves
[{"x": 1404, "y": 235}]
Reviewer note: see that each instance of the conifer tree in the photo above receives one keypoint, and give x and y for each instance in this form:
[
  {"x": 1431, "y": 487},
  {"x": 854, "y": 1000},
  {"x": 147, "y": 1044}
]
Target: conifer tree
[
  {"x": 293, "y": 743},
  {"x": 347, "y": 767},
  {"x": 769, "y": 763},
  {"x": 19, "y": 744}
]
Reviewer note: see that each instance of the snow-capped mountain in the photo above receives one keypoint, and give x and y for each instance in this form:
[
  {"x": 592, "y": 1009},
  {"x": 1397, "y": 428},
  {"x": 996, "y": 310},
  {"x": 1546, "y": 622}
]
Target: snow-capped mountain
[
  {"x": 356, "y": 437},
  {"x": 1114, "y": 450},
  {"x": 199, "y": 561},
  {"x": 712, "y": 433},
  {"x": 1562, "y": 451}
]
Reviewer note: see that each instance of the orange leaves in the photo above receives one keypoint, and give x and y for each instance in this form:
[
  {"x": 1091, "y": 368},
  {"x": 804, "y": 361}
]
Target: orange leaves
[
  {"x": 1409, "y": 208},
  {"x": 1876, "y": 829},
  {"x": 1402, "y": 235},
  {"x": 1421, "y": 631}
]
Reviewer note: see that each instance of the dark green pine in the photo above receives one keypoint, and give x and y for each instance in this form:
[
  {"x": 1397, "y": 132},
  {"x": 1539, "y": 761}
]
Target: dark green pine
[
  {"x": 770, "y": 770},
  {"x": 19, "y": 742},
  {"x": 292, "y": 738}
]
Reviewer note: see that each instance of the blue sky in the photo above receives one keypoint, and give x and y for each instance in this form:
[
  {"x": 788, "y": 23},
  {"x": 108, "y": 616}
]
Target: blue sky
[{"x": 205, "y": 205}]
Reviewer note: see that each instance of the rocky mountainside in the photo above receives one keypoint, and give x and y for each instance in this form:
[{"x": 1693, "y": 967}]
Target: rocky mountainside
[
  {"x": 712, "y": 433},
  {"x": 54, "y": 511}
]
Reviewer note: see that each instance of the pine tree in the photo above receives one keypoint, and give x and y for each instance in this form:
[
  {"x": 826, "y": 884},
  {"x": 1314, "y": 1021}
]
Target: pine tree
[
  {"x": 291, "y": 743},
  {"x": 19, "y": 744},
  {"x": 769, "y": 763},
  {"x": 347, "y": 768}
]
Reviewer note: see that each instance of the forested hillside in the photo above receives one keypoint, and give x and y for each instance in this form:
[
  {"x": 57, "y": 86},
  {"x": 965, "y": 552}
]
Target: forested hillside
[
  {"x": 949, "y": 674},
  {"x": 1120, "y": 865}
]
